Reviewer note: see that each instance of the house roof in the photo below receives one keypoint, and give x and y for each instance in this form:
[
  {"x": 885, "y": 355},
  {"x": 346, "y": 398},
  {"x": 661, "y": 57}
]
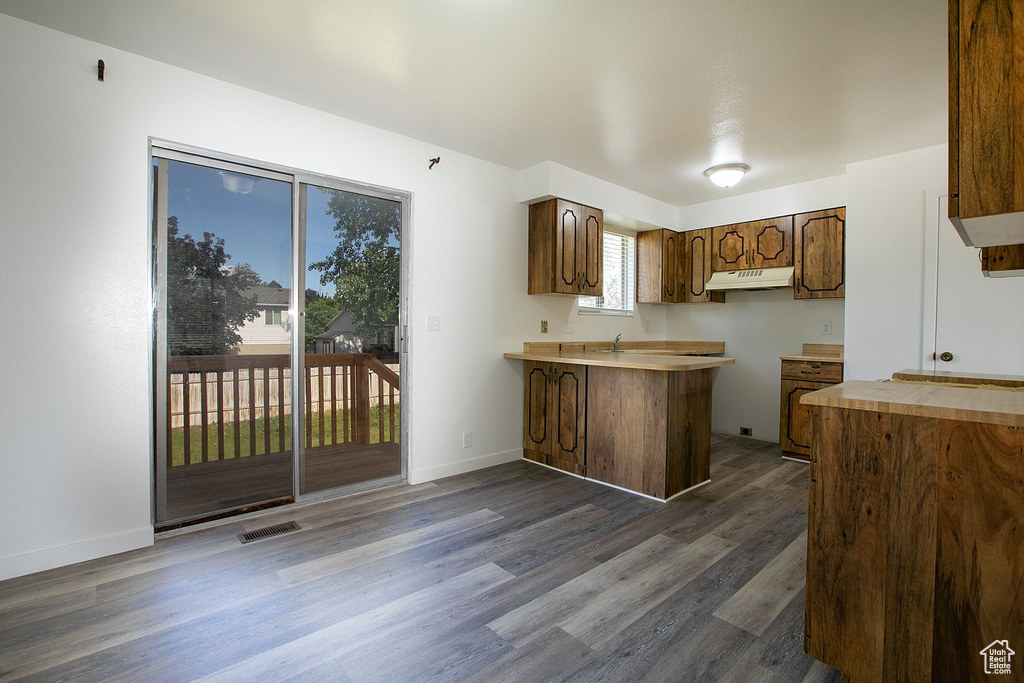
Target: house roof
[{"x": 270, "y": 296}]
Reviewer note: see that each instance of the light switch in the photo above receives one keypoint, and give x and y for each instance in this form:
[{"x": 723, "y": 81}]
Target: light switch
[{"x": 433, "y": 323}]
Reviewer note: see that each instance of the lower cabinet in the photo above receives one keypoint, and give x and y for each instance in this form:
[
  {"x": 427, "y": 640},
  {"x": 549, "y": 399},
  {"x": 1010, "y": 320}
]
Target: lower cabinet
[
  {"x": 555, "y": 415},
  {"x": 799, "y": 378}
]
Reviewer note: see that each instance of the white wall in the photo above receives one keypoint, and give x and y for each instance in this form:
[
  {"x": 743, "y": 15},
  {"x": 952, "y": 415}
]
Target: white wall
[
  {"x": 757, "y": 327},
  {"x": 75, "y": 218},
  {"x": 885, "y": 259}
]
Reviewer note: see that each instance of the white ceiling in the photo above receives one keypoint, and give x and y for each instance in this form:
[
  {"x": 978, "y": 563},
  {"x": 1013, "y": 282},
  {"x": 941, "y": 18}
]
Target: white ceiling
[{"x": 645, "y": 94}]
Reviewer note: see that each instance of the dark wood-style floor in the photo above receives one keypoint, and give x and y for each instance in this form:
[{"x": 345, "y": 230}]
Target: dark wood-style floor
[{"x": 511, "y": 573}]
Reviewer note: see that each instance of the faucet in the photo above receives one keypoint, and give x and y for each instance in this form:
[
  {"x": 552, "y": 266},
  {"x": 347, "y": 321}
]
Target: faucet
[{"x": 615, "y": 346}]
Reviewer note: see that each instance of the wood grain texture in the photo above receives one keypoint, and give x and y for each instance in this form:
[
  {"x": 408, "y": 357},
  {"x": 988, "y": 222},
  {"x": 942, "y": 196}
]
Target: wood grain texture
[
  {"x": 627, "y": 361},
  {"x": 200, "y": 606},
  {"x": 554, "y": 415},
  {"x": 979, "y": 561},
  {"x": 823, "y": 350},
  {"x": 813, "y": 370},
  {"x": 755, "y": 244},
  {"x": 795, "y": 427},
  {"x": 925, "y": 400},
  {"x": 819, "y": 254},
  {"x": 650, "y": 267},
  {"x": 1003, "y": 260},
  {"x": 960, "y": 378},
  {"x": 565, "y": 249},
  {"x": 846, "y": 538},
  {"x": 688, "y": 444},
  {"x": 698, "y": 268},
  {"x": 914, "y": 554},
  {"x": 667, "y": 347}
]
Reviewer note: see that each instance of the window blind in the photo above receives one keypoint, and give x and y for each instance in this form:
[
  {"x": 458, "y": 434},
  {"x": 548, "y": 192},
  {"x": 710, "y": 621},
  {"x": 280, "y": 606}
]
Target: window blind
[{"x": 619, "y": 282}]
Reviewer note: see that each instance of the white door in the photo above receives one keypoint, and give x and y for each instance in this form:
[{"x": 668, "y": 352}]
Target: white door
[{"x": 978, "y": 322}]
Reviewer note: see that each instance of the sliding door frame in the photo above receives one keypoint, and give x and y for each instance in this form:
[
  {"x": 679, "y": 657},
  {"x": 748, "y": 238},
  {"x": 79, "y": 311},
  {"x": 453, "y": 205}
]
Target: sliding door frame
[{"x": 164, "y": 149}]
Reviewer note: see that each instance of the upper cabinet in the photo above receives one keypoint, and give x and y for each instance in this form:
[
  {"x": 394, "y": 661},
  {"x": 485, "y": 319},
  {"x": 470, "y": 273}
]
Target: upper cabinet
[
  {"x": 565, "y": 249},
  {"x": 986, "y": 124},
  {"x": 697, "y": 268},
  {"x": 757, "y": 244},
  {"x": 660, "y": 277},
  {"x": 819, "y": 247}
]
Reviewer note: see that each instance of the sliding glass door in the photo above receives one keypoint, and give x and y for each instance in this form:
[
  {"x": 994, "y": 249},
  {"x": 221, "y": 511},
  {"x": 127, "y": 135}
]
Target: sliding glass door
[
  {"x": 352, "y": 362},
  {"x": 278, "y": 335}
]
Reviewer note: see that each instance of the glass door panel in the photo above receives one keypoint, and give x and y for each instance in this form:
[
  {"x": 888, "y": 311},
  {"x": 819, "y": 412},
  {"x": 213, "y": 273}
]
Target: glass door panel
[
  {"x": 351, "y": 361},
  {"x": 223, "y": 343}
]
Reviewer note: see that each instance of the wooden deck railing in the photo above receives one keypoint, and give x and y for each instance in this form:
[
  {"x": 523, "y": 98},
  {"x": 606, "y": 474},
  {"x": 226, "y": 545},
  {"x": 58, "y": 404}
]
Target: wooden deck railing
[{"x": 224, "y": 407}]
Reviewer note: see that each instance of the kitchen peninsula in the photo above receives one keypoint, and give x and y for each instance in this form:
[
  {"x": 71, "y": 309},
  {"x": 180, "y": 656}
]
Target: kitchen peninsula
[{"x": 638, "y": 418}]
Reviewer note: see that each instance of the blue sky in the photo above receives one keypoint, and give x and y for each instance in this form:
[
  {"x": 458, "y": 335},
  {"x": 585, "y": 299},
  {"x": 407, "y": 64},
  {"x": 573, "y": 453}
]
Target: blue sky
[{"x": 256, "y": 227}]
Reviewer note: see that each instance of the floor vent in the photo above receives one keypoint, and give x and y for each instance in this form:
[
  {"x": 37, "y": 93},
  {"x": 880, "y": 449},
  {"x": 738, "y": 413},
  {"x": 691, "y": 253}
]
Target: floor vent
[{"x": 267, "y": 532}]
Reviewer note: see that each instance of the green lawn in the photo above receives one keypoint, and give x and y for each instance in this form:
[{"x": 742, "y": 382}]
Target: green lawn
[{"x": 196, "y": 436}]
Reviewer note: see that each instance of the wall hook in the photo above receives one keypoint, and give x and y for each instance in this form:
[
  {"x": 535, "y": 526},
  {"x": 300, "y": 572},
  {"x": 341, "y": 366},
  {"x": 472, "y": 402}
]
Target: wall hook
[
  {"x": 435, "y": 160},
  {"x": 100, "y": 68}
]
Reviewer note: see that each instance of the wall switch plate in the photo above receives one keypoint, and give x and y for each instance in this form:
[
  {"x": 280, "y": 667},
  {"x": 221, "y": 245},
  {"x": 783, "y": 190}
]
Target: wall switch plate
[
  {"x": 543, "y": 326},
  {"x": 568, "y": 326},
  {"x": 433, "y": 323},
  {"x": 826, "y": 328},
  {"x": 647, "y": 325},
  {"x": 467, "y": 439}
]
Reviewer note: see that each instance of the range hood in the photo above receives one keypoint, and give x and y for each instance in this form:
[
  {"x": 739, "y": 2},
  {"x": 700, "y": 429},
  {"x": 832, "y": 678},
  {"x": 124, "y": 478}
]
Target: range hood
[{"x": 757, "y": 278}]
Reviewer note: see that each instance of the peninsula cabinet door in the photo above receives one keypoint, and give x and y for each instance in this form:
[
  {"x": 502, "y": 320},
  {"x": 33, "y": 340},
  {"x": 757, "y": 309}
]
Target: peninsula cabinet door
[
  {"x": 819, "y": 246},
  {"x": 554, "y": 415}
]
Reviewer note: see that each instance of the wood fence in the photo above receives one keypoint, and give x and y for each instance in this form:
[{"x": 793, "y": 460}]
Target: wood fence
[{"x": 223, "y": 407}]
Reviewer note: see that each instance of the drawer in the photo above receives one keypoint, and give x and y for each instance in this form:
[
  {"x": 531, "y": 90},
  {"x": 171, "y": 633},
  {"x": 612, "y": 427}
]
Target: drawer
[{"x": 818, "y": 371}]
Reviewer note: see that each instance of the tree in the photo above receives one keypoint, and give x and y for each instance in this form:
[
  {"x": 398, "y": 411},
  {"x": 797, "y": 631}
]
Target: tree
[
  {"x": 207, "y": 300},
  {"x": 319, "y": 314},
  {"x": 365, "y": 267}
]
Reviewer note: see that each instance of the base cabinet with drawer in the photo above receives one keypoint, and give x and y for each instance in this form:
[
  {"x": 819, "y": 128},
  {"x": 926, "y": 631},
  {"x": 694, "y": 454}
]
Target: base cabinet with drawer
[
  {"x": 555, "y": 415},
  {"x": 802, "y": 376}
]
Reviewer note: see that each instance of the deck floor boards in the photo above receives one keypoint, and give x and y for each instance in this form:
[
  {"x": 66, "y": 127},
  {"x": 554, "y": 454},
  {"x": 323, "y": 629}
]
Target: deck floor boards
[{"x": 511, "y": 573}]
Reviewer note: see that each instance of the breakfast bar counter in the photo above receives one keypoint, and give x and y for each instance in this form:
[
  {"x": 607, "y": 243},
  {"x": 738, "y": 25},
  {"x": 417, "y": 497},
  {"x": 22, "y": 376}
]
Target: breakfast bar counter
[{"x": 638, "y": 419}]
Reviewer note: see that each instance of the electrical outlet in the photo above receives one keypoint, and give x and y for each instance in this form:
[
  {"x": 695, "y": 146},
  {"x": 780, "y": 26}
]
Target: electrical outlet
[
  {"x": 543, "y": 326},
  {"x": 568, "y": 325},
  {"x": 647, "y": 326},
  {"x": 467, "y": 439},
  {"x": 826, "y": 328},
  {"x": 746, "y": 431}
]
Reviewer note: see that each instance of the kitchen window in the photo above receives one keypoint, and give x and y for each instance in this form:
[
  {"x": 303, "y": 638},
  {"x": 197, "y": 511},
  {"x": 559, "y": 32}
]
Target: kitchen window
[{"x": 619, "y": 285}]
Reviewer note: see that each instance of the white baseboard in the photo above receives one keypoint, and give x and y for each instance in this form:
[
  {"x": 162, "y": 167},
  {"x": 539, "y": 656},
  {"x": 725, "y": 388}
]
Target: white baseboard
[
  {"x": 72, "y": 553},
  {"x": 418, "y": 476}
]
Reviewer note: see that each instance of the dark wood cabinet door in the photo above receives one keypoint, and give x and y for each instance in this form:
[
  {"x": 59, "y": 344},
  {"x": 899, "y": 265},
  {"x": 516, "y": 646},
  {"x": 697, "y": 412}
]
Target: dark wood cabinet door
[
  {"x": 672, "y": 262},
  {"x": 590, "y": 251},
  {"x": 771, "y": 242},
  {"x": 730, "y": 247},
  {"x": 650, "y": 263},
  {"x": 819, "y": 254},
  {"x": 696, "y": 270},
  {"x": 536, "y": 401},
  {"x": 568, "y": 411},
  {"x": 569, "y": 246},
  {"x": 795, "y": 419}
]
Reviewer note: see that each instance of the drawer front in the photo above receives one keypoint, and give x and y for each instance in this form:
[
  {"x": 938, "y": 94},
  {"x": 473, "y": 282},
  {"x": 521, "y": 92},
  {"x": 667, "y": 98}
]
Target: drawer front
[{"x": 817, "y": 371}]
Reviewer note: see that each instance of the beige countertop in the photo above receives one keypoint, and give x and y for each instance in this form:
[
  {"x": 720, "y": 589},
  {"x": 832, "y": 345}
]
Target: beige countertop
[
  {"x": 942, "y": 401},
  {"x": 960, "y": 377},
  {"x": 625, "y": 359}
]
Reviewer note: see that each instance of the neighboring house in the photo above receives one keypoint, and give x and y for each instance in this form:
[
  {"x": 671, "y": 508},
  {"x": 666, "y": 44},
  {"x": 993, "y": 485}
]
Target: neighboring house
[
  {"x": 344, "y": 336},
  {"x": 269, "y": 332}
]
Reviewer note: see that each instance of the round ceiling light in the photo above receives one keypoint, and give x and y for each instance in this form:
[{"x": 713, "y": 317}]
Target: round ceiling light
[{"x": 726, "y": 175}]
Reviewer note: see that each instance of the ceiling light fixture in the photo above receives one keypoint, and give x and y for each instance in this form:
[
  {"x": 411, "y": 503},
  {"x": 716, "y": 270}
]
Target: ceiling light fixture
[
  {"x": 234, "y": 182},
  {"x": 726, "y": 175}
]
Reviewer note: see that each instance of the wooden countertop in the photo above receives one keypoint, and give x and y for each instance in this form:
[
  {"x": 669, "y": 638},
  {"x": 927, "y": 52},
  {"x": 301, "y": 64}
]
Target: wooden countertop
[
  {"x": 943, "y": 401},
  {"x": 626, "y": 359},
  {"x": 819, "y": 353},
  {"x": 813, "y": 359},
  {"x": 959, "y": 378}
]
